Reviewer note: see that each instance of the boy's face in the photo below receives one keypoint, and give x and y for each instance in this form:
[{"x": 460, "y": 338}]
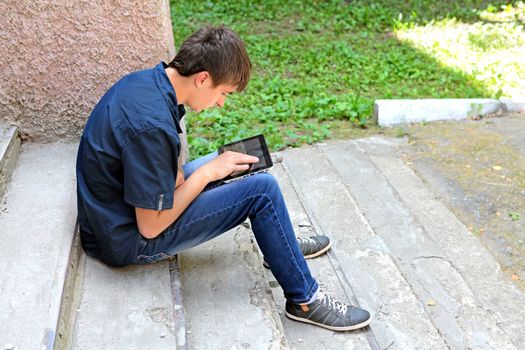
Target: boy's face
[{"x": 206, "y": 95}]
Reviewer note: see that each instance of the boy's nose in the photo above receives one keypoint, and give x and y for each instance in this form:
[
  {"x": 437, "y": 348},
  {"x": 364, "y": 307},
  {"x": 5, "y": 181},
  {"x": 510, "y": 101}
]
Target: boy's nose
[{"x": 220, "y": 102}]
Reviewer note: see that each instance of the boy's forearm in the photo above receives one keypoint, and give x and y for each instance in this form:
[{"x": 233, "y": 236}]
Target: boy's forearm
[
  {"x": 152, "y": 223},
  {"x": 186, "y": 193}
]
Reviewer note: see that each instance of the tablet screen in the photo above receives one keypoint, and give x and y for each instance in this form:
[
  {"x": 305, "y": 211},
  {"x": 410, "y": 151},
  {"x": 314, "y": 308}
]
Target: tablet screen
[{"x": 254, "y": 146}]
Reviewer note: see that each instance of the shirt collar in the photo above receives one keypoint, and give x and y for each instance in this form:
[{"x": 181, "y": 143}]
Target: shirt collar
[{"x": 164, "y": 84}]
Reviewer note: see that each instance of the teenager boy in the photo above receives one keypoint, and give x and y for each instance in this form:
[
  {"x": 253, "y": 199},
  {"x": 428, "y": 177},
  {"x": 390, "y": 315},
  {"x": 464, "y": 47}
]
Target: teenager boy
[{"x": 136, "y": 206}]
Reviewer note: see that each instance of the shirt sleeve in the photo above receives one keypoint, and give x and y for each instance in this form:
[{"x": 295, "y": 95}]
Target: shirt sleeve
[{"x": 149, "y": 165}]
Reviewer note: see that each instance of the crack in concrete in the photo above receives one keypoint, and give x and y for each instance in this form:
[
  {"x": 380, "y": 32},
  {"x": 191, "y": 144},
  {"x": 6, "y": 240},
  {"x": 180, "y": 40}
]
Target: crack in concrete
[
  {"x": 430, "y": 257},
  {"x": 409, "y": 283},
  {"x": 389, "y": 345},
  {"x": 260, "y": 294},
  {"x": 454, "y": 313},
  {"x": 498, "y": 324},
  {"x": 397, "y": 261}
]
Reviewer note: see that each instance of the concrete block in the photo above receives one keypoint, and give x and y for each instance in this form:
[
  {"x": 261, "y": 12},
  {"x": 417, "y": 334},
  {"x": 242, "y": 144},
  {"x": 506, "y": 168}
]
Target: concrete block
[
  {"x": 9, "y": 152},
  {"x": 399, "y": 322},
  {"x": 492, "y": 296},
  {"x": 391, "y": 112},
  {"x": 301, "y": 336},
  {"x": 514, "y": 105},
  {"x": 37, "y": 221},
  {"x": 227, "y": 300},
  {"x": 427, "y": 266},
  {"x": 124, "y": 308}
]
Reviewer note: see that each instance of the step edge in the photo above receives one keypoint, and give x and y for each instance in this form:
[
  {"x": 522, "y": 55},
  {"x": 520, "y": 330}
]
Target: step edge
[
  {"x": 9, "y": 159},
  {"x": 179, "y": 316},
  {"x": 273, "y": 303},
  {"x": 69, "y": 302}
]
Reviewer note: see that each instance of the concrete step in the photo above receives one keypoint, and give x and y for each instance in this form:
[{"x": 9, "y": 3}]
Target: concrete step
[
  {"x": 124, "y": 308},
  {"x": 9, "y": 152},
  {"x": 396, "y": 252},
  {"x": 453, "y": 277},
  {"x": 360, "y": 257},
  {"x": 227, "y": 300},
  {"x": 53, "y": 295},
  {"x": 37, "y": 221},
  {"x": 488, "y": 294},
  {"x": 299, "y": 335}
]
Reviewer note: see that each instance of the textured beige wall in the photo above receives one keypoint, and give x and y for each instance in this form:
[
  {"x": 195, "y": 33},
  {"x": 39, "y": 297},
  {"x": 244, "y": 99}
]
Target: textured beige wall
[{"x": 59, "y": 56}]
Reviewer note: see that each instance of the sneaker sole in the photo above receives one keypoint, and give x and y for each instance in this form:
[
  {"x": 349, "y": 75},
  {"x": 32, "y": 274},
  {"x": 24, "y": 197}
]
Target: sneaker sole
[
  {"x": 332, "y": 328},
  {"x": 322, "y": 251}
]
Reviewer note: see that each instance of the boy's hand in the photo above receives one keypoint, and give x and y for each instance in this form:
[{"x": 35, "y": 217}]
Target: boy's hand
[{"x": 227, "y": 163}]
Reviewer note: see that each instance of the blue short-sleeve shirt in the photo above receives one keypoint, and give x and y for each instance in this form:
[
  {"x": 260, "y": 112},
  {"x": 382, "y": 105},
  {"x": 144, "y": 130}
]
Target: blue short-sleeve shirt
[{"x": 127, "y": 158}]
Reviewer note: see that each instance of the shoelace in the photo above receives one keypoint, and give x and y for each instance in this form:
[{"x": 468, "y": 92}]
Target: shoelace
[
  {"x": 307, "y": 240},
  {"x": 333, "y": 304}
]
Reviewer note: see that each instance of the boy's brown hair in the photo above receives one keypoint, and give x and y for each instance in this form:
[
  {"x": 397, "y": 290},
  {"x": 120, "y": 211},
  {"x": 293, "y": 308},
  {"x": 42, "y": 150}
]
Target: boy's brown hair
[{"x": 217, "y": 50}]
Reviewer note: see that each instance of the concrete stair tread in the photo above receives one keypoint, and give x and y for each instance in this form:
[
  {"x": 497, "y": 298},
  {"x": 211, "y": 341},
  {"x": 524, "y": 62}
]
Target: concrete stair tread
[
  {"x": 299, "y": 335},
  {"x": 396, "y": 251},
  {"x": 37, "y": 220},
  {"x": 358, "y": 254},
  {"x": 435, "y": 254},
  {"x": 488, "y": 293},
  {"x": 227, "y": 300},
  {"x": 124, "y": 308}
]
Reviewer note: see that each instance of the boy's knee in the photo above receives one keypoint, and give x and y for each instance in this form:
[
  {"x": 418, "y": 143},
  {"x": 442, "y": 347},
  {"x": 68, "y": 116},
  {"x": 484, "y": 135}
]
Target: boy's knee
[
  {"x": 265, "y": 189},
  {"x": 266, "y": 184},
  {"x": 266, "y": 181}
]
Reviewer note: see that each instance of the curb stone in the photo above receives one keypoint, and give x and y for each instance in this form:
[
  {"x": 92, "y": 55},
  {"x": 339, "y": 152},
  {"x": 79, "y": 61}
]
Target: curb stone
[{"x": 392, "y": 112}]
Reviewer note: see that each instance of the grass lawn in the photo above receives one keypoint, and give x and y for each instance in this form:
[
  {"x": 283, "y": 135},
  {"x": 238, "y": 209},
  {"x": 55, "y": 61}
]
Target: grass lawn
[{"x": 319, "y": 65}]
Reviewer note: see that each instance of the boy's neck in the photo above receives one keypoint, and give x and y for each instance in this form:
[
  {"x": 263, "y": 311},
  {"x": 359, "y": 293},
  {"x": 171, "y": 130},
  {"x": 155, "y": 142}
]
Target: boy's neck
[{"x": 181, "y": 85}]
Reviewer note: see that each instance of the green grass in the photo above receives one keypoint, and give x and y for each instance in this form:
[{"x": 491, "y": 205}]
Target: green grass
[{"x": 319, "y": 65}]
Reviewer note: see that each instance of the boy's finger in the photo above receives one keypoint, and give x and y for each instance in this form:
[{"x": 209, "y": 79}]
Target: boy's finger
[
  {"x": 243, "y": 167},
  {"x": 249, "y": 159},
  {"x": 244, "y": 157}
]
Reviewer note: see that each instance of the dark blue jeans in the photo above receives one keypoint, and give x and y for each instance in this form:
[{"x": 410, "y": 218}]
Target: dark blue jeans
[{"x": 220, "y": 209}]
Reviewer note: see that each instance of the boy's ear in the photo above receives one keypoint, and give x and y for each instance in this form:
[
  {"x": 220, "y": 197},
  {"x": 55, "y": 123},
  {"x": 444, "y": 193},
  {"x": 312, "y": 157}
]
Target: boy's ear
[{"x": 201, "y": 78}]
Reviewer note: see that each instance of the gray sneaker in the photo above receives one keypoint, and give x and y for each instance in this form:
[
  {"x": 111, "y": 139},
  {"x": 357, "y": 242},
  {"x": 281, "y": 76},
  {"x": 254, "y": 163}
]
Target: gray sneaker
[
  {"x": 314, "y": 246},
  {"x": 329, "y": 313},
  {"x": 311, "y": 247}
]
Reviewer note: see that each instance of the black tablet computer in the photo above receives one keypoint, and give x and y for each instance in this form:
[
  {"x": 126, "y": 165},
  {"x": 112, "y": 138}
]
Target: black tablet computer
[{"x": 254, "y": 146}]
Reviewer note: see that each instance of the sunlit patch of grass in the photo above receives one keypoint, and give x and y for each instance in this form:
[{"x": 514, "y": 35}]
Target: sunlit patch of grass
[{"x": 491, "y": 52}]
